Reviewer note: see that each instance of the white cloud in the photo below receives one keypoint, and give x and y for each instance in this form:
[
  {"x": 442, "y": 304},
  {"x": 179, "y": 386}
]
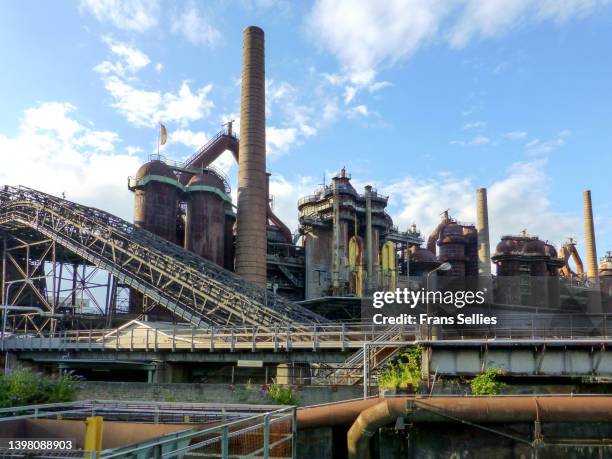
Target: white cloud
[
  {"x": 365, "y": 36},
  {"x": 188, "y": 138},
  {"x": 286, "y": 193},
  {"x": 56, "y": 153},
  {"x": 516, "y": 135},
  {"x": 349, "y": 94},
  {"x": 143, "y": 107},
  {"x": 476, "y": 141},
  {"x": 130, "y": 60},
  {"x": 135, "y": 15},
  {"x": 479, "y": 140},
  {"x": 485, "y": 19},
  {"x": 279, "y": 139},
  {"x": 196, "y": 28},
  {"x": 475, "y": 125},
  {"x": 539, "y": 147},
  {"x": 358, "y": 110},
  {"x": 520, "y": 200}
]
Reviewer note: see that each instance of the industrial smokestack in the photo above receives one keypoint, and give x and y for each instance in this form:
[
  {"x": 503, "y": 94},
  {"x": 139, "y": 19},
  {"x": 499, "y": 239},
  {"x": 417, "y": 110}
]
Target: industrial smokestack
[
  {"x": 482, "y": 226},
  {"x": 589, "y": 233},
  {"x": 484, "y": 249},
  {"x": 252, "y": 193}
]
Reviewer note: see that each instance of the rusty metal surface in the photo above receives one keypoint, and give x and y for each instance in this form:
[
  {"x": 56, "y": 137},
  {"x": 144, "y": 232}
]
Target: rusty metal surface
[{"x": 481, "y": 409}]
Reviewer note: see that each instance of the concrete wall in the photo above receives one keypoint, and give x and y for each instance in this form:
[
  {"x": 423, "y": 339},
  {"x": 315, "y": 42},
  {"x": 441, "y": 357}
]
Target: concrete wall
[{"x": 211, "y": 393}]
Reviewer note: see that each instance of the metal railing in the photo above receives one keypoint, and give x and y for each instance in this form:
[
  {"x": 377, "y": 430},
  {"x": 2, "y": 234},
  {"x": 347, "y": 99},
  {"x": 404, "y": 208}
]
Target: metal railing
[
  {"x": 207, "y": 146},
  {"x": 158, "y": 336},
  {"x": 266, "y": 431}
]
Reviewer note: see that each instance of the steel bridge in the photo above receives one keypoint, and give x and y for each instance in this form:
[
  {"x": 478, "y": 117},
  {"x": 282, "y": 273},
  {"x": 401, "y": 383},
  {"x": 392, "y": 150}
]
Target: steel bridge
[{"x": 41, "y": 233}]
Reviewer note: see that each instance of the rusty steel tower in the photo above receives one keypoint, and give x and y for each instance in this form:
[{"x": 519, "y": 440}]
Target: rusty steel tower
[{"x": 252, "y": 193}]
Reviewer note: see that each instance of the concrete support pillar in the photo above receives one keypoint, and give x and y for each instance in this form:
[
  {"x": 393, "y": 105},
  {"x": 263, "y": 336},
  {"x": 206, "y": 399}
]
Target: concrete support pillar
[{"x": 252, "y": 193}]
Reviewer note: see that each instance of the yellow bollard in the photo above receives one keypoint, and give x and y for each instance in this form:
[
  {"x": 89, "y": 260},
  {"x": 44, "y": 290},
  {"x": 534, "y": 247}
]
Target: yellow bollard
[{"x": 93, "y": 435}]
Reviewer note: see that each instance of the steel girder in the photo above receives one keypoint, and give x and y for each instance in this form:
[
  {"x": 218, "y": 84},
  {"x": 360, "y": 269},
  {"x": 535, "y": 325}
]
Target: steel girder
[{"x": 189, "y": 286}]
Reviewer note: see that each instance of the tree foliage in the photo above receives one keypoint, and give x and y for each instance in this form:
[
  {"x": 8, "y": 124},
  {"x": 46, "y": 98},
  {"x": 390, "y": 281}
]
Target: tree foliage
[
  {"x": 486, "y": 383},
  {"x": 24, "y": 387},
  {"x": 403, "y": 372},
  {"x": 282, "y": 395}
]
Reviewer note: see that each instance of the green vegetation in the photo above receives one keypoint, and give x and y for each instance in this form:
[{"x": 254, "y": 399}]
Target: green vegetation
[
  {"x": 486, "y": 383},
  {"x": 403, "y": 372},
  {"x": 24, "y": 387},
  {"x": 282, "y": 395}
]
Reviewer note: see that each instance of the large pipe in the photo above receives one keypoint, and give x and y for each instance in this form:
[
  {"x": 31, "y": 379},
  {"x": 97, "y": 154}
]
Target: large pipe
[
  {"x": 252, "y": 199},
  {"x": 368, "y": 423},
  {"x": 486, "y": 410},
  {"x": 589, "y": 233}
]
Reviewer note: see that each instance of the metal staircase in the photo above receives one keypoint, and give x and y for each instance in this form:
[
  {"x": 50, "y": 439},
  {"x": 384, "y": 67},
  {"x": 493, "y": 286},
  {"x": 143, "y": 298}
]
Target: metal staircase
[
  {"x": 187, "y": 285},
  {"x": 351, "y": 370}
]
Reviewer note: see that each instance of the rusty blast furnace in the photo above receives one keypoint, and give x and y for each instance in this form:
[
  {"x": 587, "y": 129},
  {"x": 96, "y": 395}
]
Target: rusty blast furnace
[{"x": 346, "y": 246}]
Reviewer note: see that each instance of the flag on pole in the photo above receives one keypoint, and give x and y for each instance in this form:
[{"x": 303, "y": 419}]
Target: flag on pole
[{"x": 162, "y": 134}]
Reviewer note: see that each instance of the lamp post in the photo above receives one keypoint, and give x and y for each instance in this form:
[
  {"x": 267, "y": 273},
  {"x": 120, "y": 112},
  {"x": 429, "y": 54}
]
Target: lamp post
[{"x": 446, "y": 266}]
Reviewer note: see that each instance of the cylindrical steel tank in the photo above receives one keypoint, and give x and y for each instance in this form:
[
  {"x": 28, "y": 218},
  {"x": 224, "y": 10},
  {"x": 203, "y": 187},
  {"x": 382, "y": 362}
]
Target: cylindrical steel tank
[
  {"x": 230, "y": 222},
  {"x": 156, "y": 199},
  {"x": 452, "y": 249},
  {"x": 251, "y": 242},
  {"x": 205, "y": 218},
  {"x": 605, "y": 276},
  {"x": 156, "y": 195}
]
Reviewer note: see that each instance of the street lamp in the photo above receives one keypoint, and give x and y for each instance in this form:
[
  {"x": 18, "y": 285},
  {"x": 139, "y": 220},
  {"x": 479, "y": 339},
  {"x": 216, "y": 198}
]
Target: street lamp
[{"x": 446, "y": 266}]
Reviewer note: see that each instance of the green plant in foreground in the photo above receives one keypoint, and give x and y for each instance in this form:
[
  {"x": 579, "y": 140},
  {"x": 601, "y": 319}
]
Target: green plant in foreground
[
  {"x": 24, "y": 387},
  {"x": 403, "y": 372},
  {"x": 282, "y": 395},
  {"x": 486, "y": 383}
]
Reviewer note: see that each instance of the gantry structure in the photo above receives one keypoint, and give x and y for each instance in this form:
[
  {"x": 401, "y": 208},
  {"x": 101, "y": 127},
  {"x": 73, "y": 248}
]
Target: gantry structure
[{"x": 44, "y": 236}]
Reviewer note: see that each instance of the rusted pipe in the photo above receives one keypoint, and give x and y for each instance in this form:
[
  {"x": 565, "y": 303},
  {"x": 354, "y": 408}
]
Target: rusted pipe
[
  {"x": 368, "y": 422},
  {"x": 333, "y": 414},
  {"x": 367, "y": 416}
]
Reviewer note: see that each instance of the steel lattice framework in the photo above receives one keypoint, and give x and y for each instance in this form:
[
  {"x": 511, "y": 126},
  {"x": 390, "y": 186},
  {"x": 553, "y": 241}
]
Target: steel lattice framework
[{"x": 187, "y": 285}]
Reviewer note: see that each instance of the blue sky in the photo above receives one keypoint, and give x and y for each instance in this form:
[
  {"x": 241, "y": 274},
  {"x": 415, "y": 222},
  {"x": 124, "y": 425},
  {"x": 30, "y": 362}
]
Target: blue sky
[{"x": 427, "y": 100}]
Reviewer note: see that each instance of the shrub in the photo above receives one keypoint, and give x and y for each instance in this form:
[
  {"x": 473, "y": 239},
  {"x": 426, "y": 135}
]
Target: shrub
[
  {"x": 403, "y": 372},
  {"x": 24, "y": 387},
  {"x": 486, "y": 383},
  {"x": 282, "y": 395}
]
